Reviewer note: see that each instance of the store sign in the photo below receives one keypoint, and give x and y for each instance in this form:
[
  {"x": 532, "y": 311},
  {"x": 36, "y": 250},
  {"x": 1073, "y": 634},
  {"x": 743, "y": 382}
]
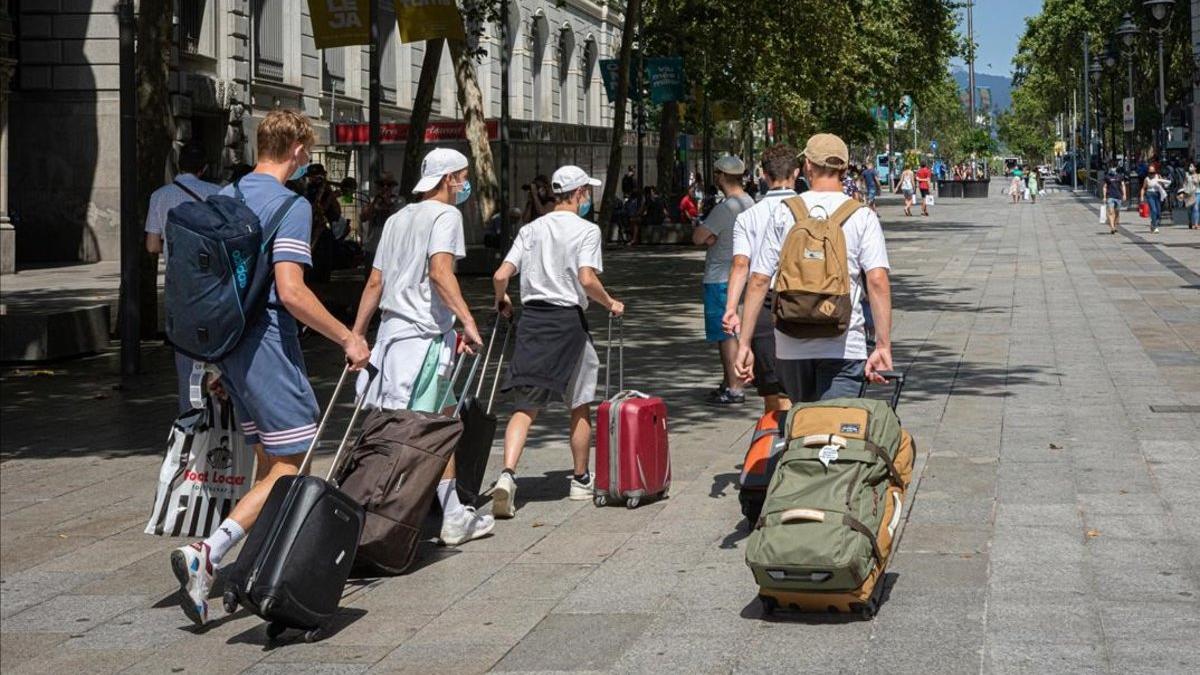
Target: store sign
[
  {"x": 1127, "y": 113},
  {"x": 429, "y": 19},
  {"x": 359, "y": 133},
  {"x": 340, "y": 23}
]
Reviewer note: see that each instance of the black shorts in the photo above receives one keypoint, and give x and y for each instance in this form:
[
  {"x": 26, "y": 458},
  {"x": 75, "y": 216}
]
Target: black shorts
[
  {"x": 924, "y": 192},
  {"x": 762, "y": 344}
]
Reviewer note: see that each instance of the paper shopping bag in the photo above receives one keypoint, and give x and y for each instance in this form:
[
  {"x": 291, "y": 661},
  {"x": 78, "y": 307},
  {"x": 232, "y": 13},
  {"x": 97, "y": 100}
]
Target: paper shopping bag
[{"x": 1103, "y": 213}]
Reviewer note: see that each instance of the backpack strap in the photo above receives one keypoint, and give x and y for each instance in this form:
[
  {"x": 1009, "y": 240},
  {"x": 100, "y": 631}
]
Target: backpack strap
[
  {"x": 842, "y": 213},
  {"x": 276, "y": 221},
  {"x": 798, "y": 207},
  {"x": 191, "y": 193}
]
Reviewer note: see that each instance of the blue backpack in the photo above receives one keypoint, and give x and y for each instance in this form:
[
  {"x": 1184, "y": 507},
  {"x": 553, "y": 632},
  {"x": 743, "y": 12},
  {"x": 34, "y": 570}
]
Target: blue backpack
[{"x": 219, "y": 273}]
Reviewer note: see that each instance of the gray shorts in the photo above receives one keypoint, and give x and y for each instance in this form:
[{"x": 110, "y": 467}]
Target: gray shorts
[
  {"x": 581, "y": 389},
  {"x": 807, "y": 380}
]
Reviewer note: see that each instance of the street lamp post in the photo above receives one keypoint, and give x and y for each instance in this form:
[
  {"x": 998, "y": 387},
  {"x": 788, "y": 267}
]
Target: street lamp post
[
  {"x": 1160, "y": 11},
  {"x": 1127, "y": 32},
  {"x": 1094, "y": 72},
  {"x": 1110, "y": 60}
]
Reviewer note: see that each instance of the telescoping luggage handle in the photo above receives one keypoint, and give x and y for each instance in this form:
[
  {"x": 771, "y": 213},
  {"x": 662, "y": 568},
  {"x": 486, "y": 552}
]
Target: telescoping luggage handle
[
  {"x": 895, "y": 377},
  {"x": 372, "y": 373},
  {"x": 620, "y": 321},
  {"x": 487, "y": 357}
]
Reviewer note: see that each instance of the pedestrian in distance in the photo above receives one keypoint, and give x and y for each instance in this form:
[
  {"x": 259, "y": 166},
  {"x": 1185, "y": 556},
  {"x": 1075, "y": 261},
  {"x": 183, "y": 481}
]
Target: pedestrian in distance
[
  {"x": 629, "y": 182},
  {"x": 715, "y": 233},
  {"x": 559, "y": 259},
  {"x": 924, "y": 179},
  {"x": 1189, "y": 195},
  {"x": 265, "y": 375},
  {"x": 1114, "y": 194},
  {"x": 635, "y": 211},
  {"x": 412, "y": 280},
  {"x": 907, "y": 186},
  {"x": 377, "y": 211},
  {"x": 870, "y": 178},
  {"x": 540, "y": 200},
  {"x": 1016, "y": 186},
  {"x": 780, "y": 167},
  {"x": 688, "y": 209},
  {"x": 1154, "y": 194},
  {"x": 188, "y": 185},
  {"x": 816, "y": 368},
  {"x": 1032, "y": 185}
]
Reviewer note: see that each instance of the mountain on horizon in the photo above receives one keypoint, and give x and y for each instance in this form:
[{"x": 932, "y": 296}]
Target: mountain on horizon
[{"x": 1000, "y": 85}]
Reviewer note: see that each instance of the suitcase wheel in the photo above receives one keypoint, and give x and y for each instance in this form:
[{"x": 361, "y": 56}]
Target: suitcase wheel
[
  {"x": 229, "y": 600},
  {"x": 274, "y": 630},
  {"x": 769, "y": 604},
  {"x": 633, "y": 502},
  {"x": 312, "y": 635},
  {"x": 600, "y": 500}
]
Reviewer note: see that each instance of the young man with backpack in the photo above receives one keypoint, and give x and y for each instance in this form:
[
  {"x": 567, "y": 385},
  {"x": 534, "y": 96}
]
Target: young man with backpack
[
  {"x": 781, "y": 167},
  {"x": 412, "y": 279},
  {"x": 187, "y": 186},
  {"x": 819, "y": 247},
  {"x": 264, "y": 374},
  {"x": 559, "y": 259}
]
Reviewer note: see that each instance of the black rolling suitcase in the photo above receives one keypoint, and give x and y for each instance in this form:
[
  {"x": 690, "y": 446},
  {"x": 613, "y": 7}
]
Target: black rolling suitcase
[
  {"x": 479, "y": 423},
  {"x": 298, "y": 555}
]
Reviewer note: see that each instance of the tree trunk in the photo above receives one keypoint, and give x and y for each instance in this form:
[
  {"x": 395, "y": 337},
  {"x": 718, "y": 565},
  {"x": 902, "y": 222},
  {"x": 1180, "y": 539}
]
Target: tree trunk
[
  {"x": 632, "y": 9},
  {"x": 414, "y": 146},
  {"x": 668, "y": 136},
  {"x": 470, "y": 99},
  {"x": 156, "y": 133}
]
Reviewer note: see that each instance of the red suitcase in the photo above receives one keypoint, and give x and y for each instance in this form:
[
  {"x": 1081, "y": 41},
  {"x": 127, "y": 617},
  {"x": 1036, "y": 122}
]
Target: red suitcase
[{"x": 633, "y": 461}]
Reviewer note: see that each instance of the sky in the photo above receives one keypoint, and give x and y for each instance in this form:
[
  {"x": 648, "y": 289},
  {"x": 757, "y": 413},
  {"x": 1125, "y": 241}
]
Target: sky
[{"x": 998, "y": 26}]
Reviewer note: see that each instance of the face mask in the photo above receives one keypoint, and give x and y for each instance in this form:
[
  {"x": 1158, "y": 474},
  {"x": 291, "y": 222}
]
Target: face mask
[
  {"x": 299, "y": 172},
  {"x": 464, "y": 193},
  {"x": 585, "y": 208}
]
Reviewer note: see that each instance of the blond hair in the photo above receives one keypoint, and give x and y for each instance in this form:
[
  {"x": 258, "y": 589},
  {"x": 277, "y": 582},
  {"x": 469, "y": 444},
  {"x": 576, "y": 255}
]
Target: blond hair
[{"x": 282, "y": 129}]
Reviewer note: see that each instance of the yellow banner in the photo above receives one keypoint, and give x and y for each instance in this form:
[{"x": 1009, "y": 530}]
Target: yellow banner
[
  {"x": 340, "y": 23},
  {"x": 428, "y": 19}
]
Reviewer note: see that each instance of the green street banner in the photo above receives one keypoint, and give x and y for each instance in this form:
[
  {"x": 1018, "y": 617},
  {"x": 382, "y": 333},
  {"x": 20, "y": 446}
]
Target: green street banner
[
  {"x": 428, "y": 19},
  {"x": 609, "y": 71},
  {"x": 340, "y": 23},
  {"x": 665, "y": 77}
]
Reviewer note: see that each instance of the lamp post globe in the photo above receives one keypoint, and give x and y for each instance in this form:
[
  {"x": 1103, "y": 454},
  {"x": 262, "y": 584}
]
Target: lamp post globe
[
  {"x": 1095, "y": 69},
  {"x": 1127, "y": 31},
  {"x": 1159, "y": 9}
]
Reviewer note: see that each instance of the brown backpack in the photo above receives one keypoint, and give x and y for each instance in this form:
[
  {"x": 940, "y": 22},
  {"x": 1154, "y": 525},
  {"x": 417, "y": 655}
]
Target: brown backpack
[{"x": 812, "y": 289}]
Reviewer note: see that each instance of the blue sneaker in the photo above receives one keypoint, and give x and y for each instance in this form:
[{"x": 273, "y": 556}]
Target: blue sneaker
[{"x": 195, "y": 574}]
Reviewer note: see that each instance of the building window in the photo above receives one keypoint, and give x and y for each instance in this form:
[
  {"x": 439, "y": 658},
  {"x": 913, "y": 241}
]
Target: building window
[
  {"x": 387, "y": 57},
  {"x": 268, "y": 39},
  {"x": 333, "y": 75},
  {"x": 196, "y": 27},
  {"x": 566, "y": 92},
  {"x": 591, "y": 112}
]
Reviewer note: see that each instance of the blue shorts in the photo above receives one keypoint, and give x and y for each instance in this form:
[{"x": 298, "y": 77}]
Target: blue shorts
[
  {"x": 714, "y": 311},
  {"x": 272, "y": 397}
]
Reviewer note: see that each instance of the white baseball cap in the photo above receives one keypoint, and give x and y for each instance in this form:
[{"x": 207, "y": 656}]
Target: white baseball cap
[
  {"x": 571, "y": 177},
  {"x": 438, "y": 163},
  {"x": 731, "y": 165}
]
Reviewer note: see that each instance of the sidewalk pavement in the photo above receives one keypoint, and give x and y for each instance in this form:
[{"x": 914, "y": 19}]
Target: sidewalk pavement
[{"x": 1054, "y": 390}]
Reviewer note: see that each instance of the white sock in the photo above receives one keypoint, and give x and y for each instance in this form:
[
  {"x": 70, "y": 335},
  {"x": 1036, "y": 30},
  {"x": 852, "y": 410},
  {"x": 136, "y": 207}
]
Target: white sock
[
  {"x": 226, "y": 536},
  {"x": 448, "y": 497}
]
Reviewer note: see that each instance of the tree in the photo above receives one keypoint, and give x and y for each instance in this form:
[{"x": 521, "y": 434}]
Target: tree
[
  {"x": 476, "y": 15},
  {"x": 422, "y": 105},
  {"x": 617, "y": 143},
  {"x": 156, "y": 134}
]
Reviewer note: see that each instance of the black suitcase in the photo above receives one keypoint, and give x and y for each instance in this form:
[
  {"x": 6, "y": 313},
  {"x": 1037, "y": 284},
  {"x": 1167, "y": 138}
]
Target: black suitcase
[
  {"x": 297, "y": 557},
  {"x": 479, "y": 423}
]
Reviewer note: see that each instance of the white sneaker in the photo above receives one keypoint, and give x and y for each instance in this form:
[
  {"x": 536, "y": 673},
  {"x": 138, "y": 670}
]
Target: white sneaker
[
  {"x": 195, "y": 574},
  {"x": 504, "y": 496},
  {"x": 464, "y": 527},
  {"x": 582, "y": 491}
]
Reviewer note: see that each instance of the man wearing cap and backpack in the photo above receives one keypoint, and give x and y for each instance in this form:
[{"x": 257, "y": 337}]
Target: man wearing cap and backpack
[
  {"x": 412, "y": 279},
  {"x": 819, "y": 247},
  {"x": 559, "y": 258},
  {"x": 264, "y": 374},
  {"x": 716, "y": 234}
]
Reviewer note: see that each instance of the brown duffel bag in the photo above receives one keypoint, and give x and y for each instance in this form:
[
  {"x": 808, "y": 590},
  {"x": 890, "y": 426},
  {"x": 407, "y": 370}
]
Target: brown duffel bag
[{"x": 393, "y": 473}]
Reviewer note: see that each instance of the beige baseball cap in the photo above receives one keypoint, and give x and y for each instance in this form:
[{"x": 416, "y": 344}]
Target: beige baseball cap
[{"x": 827, "y": 150}]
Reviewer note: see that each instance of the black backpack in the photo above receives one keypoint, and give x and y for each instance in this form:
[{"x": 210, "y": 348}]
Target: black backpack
[{"x": 219, "y": 275}]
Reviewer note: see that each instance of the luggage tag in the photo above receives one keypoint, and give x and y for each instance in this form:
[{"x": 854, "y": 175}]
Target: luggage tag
[
  {"x": 196, "y": 385},
  {"x": 828, "y": 455}
]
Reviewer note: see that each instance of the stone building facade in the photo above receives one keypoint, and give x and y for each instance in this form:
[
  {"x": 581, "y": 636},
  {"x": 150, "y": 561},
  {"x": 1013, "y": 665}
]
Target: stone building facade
[{"x": 233, "y": 61}]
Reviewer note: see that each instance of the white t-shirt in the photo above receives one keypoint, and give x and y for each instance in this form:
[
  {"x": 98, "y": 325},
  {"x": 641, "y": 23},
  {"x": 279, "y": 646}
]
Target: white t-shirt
[
  {"x": 410, "y": 237},
  {"x": 751, "y": 224},
  {"x": 865, "y": 250},
  {"x": 548, "y": 253},
  {"x": 719, "y": 257},
  {"x": 171, "y": 195}
]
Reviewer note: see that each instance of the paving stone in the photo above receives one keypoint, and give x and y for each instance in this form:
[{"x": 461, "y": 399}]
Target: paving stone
[
  {"x": 26, "y": 589},
  {"x": 567, "y": 547},
  {"x": 532, "y": 581},
  {"x": 136, "y": 629},
  {"x": 17, "y": 648},
  {"x": 1007, "y": 656},
  {"x": 81, "y": 661},
  {"x": 587, "y": 642},
  {"x": 449, "y": 656},
  {"x": 72, "y": 614},
  {"x": 1147, "y": 655}
]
